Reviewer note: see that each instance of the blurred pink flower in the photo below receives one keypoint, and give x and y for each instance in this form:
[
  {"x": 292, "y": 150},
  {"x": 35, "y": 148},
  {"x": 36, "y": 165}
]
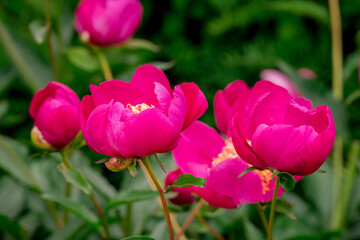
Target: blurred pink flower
[
  {"x": 281, "y": 80},
  {"x": 203, "y": 153},
  {"x": 307, "y": 73},
  {"x": 272, "y": 129},
  {"x": 55, "y": 110},
  {"x": 183, "y": 196},
  {"x": 107, "y": 22},
  {"x": 140, "y": 118},
  {"x": 223, "y": 102}
]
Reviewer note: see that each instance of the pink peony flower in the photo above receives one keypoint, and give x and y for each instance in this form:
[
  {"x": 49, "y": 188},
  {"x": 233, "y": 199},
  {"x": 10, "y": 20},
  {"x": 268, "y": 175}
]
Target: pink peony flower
[
  {"x": 107, "y": 22},
  {"x": 183, "y": 196},
  {"x": 140, "y": 118},
  {"x": 273, "y": 129},
  {"x": 55, "y": 110},
  {"x": 203, "y": 153},
  {"x": 223, "y": 103}
]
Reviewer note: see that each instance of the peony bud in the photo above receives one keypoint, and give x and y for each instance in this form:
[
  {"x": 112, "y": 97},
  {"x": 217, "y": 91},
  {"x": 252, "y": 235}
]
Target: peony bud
[
  {"x": 118, "y": 164},
  {"x": 55, "y": 110},
  {"x": 106, "y": 23}
]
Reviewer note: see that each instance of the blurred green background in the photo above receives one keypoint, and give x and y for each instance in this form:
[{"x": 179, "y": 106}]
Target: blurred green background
[{"x": 210, "y": 43}]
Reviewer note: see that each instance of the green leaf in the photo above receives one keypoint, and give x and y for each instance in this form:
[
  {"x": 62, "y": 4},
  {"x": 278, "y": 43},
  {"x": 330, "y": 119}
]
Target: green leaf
[
  {"x": 83, "y": 58},
  {"x": 248, "y": 170},
  {"x": 38, "y": 30},
  {"x": 302, "y": 8},
  {"x": 285, "y": 208},
  {"x": 130, "y": 197},
  {"x": 12, "y": 228},
  {"x": 287, "y": 181},
  {"x": 78, "y": 209},
  {"x": 187, "y": 180},
  {"x": 35, "y": 73},
  {"x": 138, "y": 238},
  {"x": 76, "y": 178},
  {"x": 137, "y": 43},
  {"x": 132, "y": 169}
]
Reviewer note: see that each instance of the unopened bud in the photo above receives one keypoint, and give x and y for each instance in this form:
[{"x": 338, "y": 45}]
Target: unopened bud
[{"x": 118, "y": 164}]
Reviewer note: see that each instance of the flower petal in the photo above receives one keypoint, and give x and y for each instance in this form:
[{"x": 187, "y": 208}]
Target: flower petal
[
  {"x": 234, "y": 90},
  {"x": 183, "y": 196},
  {"x": 197, "y": 147},
  {"x": 222, "y": 112},
  {"x": 196, "y": 103},
  {"x": 145, "y": 78},
  {"x": 281, "y": 80},
  {"x": 118, "y": 91}
]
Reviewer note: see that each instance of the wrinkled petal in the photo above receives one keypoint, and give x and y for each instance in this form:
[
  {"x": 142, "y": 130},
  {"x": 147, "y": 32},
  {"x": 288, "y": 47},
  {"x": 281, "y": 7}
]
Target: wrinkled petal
[
  {"x": 177, "y": 109},
  {"x": 145, "y": 78},
  {"x": 222, "y": 112},
  {"x": 196, "y": 103},
  {"x": 234, "y": 90},
  {"x": 197, "y": 147},
  {"x": 118, "y": 91}
]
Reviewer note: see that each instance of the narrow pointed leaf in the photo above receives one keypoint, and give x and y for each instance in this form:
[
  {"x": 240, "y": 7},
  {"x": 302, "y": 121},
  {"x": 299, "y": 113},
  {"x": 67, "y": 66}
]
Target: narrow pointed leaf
[
  {"x": 12, "y": 228},
  {"x": 132, "y": 169},
  {"x": 76, "y": 178},
  {"x": 82, "y": 58},
  {"x": 187, "y": 180},
  {"x": 248, "y": 170},
  {"x": 130, "y": 197},
  {"x": 78, "y": 209}
]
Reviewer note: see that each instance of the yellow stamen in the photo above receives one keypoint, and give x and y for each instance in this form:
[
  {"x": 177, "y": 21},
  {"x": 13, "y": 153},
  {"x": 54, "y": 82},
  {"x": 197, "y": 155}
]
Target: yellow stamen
[
  {"x": 265, "y": 177},
  {"x": 139, "y": 107}
]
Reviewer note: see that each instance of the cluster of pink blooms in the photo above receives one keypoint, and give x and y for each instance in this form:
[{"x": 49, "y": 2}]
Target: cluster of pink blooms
[{"x": 267, "y": 126}]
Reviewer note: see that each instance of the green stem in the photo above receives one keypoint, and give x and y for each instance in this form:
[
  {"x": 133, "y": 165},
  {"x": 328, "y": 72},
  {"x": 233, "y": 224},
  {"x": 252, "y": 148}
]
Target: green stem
[
  {"x": 273, "y": 207},
  {"x": 213, "y": 231},
  {"x": 104, "y": 65},
  {"x": 338, "y": 92},
  {"x": 68, "y": 185},
  {"x": 106, "y": 234},
  {"x": 349, "y": 179},
  {"x": 48, "y": 39},
  {"x": 352, "y": 97},
  {"x": 262, "y": 216},
  {"x": 190, "y": 218},
  {"x": 25, "y": 170},
  {"x": 127, "y": 225},
  {"x": 161, "y": 193}
]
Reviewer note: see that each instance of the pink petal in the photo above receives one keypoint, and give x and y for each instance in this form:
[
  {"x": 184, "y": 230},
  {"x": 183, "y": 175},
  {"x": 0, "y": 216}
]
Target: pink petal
[
  {"x": 86, "y": 107},
  {"x": 234, "y": 90},
  {"x": 222, "y": 112},
  {"x": 281, "y": 80},
  {"x": 281, "y": 147},
  {"x": 197, "y": 147},
  {"x": 118, "y": 91},
  {"x": 145, "y": 78},
  {"x": 213, "y": 198},
  {"x": 242, "y": 147},
  {"x": 147, "y": 133},
  {"x": 177, "y": 109},
  {"x": 58, "y": 122},
  {"x": 195, "y": 101}
]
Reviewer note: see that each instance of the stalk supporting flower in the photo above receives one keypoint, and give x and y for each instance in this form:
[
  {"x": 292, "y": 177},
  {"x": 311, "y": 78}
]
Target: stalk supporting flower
[
  {"x": 106, "y": 234},
  {"x": 68, "y": 185},
  {"x": 190, "y": 218},
  {"x": 51, "y": 49},
  {"x": 104, "y": 65},
  {"x": 262, "y": 216},
  {"x": 216, "y": 234},
  {"x": 338, "y": 92},
  {"x": 161, "y": 193},
  {"x": 273, "y": 207}
]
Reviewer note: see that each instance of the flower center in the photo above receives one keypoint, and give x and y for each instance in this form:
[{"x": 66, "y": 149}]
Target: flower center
[
  {"x": 229, "y": 152},
  {"x": 139, "y": 107},
  {"x": 265, "y": 177}
]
